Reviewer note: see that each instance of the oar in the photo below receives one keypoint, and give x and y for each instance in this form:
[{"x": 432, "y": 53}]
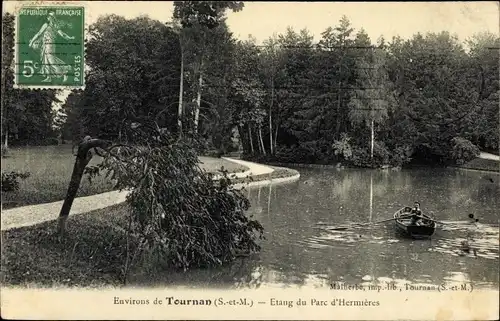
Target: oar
[
  {"x": 471, "y": 216},
  {"x": 439, "y": 222},
  {"x": 340, "y": 228}
]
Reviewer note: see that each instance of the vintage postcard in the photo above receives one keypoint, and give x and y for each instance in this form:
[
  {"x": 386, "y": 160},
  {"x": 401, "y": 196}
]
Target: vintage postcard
[{"x": 204, "y": 160}]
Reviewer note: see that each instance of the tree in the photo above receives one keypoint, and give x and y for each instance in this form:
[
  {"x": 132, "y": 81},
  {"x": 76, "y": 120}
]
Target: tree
[
  {"x": 73, "y": 127},
  {"x": 371, "y": 103},
  {"x": 180, "y": 109},
  {"x": 483, "y": 52},
  {"x": 134, "y": 70},
  {"x": 247, "y": 92},
  {"x": 320, "y": 77},
  {"x": 206, "y": 13},
  {"x": 338, "y": 40},
  {"x": 443, "y": 90},
  {"x": 270, "y": 61},
  {"x": 198, "y": 19},
  {"x": 8, "y": 94},
  {"x": 295, "y": 85},
  {"x": 178, "y": 210},
  {"x": 214, "y": 111}
]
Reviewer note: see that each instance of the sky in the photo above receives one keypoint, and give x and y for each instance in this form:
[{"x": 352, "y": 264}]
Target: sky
[{"x": 262, "y": 19}]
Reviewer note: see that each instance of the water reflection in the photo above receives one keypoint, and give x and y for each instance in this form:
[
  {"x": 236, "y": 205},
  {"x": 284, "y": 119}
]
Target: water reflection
[{"x": 298, "y": 253}]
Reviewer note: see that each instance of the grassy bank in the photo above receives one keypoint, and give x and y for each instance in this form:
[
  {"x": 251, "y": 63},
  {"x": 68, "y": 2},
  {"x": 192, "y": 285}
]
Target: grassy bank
[
  {"x": 51, "y": 167},
  {"x": 482, "y": 164},
  {"x": 93, "y": 253},
  {"x": 279, "y": 172}
]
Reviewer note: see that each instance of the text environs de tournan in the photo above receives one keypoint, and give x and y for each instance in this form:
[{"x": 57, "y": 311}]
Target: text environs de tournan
[{"x": 167, "y": 300}]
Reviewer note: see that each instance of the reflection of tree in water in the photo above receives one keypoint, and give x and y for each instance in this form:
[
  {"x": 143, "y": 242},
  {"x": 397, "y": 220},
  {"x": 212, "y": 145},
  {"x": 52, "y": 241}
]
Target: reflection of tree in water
[
  {"x": 296, "y": 254},
  {"x": 284, "y": 261},
  {"x": 269, "y": 197},
  {"x": 240, "y": 273},
  {"x": 437, "y": 190}
]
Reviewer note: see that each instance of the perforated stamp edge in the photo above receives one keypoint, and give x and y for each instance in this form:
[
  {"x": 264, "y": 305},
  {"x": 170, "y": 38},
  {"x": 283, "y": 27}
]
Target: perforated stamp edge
[{"x": 43, "y": 3}]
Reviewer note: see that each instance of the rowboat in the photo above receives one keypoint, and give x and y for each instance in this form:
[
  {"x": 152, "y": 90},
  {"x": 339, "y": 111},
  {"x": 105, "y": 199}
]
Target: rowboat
[{"x": 420, "y": 229}]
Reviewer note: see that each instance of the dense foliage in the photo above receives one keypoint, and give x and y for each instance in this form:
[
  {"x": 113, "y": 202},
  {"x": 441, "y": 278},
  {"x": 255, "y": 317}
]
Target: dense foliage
[
  {"x": 206, "y": 13},
  {"x": 137, "y": 96},
  {"x": 290, "y": 99},
  {"x": 463, "y": 150},
  {"x": 133, "y": 76},
  {"x": 178, "y": 210},
  {"x": 10, "y": 180},
  {"x": 348, "y": 99}
]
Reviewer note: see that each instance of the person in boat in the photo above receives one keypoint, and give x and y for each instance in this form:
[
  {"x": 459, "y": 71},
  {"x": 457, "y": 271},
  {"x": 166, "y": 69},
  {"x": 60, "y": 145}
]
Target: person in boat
[
  {"x": 416, "y": 214},
  {"x": 416, "y": 209}
]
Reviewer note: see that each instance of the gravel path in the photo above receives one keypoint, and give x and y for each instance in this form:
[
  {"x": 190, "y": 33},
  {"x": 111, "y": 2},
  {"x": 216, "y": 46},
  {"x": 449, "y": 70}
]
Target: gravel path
[
  {"x": 254, "y": 168},
  {"x": 35, "y": 214},
  {"x": 489, "y": 156}
]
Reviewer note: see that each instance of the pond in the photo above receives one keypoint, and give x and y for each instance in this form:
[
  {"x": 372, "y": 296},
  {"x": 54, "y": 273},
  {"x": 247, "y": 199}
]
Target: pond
[{"x": 300, "y": 250}]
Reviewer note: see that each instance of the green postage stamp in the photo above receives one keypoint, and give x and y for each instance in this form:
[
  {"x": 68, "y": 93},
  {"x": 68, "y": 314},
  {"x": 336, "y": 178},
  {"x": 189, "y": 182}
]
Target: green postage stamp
[{"x": 50, "y": 47}]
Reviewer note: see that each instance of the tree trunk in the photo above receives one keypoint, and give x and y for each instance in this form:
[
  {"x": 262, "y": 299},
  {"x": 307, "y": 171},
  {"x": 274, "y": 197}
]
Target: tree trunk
[
  {"x": 271, "y": 150},
  {"x": 371, "y": 197},
  {"x": 372, "y": 138},
  {"x": 250, "y": 138},
  {"x": 269, "y": 199},
  {"x": 83, "y": 157},
  {"x": 339, "y": 87},
  {"x": 276, "y": 137},
  {"x": 243, "y": 141},
  {"x": 337, "y": 129},
  {"x": 259, "y": 146},
  {"x": 261, "y": 141},
  {"x": 181, "y": 96},
  {"x": 198, "y": 99},
  {"x": 277, "y": 116},
  {"x": 6, "y": 142}
]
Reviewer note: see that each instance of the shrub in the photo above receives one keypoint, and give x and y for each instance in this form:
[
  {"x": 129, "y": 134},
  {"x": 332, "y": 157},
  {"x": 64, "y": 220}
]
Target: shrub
[
  {"x": 361, "y": 156},
  {"x": 343, "y": 147},
  {"x": 302, "y": 154},
  {"x": 380, "y": 153},
  {"x": 463, "y": 150},
  {"x": 288, "y": 154},
  {"x": 10, "y": 181},
  {"x": 400, "y": 155},
  {"x": 182, "y": 215},
  {"x": 214, "y": 153},
  {"x": 51, "y": 141}
]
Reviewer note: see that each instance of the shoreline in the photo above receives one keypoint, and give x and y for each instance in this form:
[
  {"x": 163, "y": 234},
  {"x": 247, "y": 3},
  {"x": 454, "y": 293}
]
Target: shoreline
[
  {"x": 468, "y": 166},
  {"x": 23, "y": 216},
  {"x": 481, "y": 164},
  {"x": 32, "y": 264}
]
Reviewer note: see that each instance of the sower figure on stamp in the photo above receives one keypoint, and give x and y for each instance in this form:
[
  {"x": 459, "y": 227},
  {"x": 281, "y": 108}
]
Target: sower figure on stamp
[{"x": 44, "y": 40}]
